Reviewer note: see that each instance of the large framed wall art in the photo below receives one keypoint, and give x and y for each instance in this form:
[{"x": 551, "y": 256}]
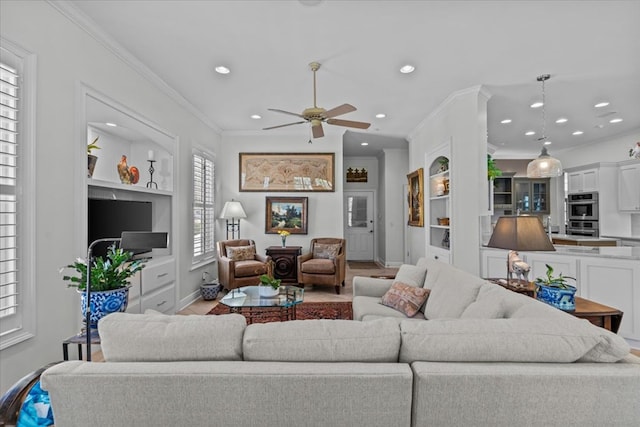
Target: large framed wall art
[
  {"x": 305, "y": 172},
  {"x": 286, "y": 213},
  {"x": 416, "y": 198}
]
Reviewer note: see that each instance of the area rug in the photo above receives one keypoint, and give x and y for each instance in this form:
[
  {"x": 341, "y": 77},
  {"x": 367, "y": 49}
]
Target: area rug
[{"x": 306, "y": 310}]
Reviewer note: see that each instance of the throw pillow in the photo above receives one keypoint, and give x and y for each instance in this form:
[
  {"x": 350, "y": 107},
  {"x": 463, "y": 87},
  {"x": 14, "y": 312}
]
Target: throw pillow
[
  {"x": 241, "y": 253},
  {"x": 405, "y": 298},
  {"x": 411, "y": 275},
  {"x": 326, "y": 250}
]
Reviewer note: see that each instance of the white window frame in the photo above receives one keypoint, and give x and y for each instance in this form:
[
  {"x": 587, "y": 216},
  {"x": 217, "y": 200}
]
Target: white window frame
[
  {"x": 21, "y": 325},
  {"x": 209, "y": 252}
]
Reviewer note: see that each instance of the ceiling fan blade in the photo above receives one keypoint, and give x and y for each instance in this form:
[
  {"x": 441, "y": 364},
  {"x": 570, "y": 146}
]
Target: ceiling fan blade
[
  {"x": 317, "y": 131},
  {"x": 349, "y": 123},
  {"x": 285, "y": 112},
  {"x": 338, "y": 111},
  {"x": 281, "y": 126}
]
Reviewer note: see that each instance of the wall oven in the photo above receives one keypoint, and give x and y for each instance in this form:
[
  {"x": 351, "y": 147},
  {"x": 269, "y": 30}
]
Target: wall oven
[
  {"x": 583, "y": 206},
  {"x": 583, "y": 228}
]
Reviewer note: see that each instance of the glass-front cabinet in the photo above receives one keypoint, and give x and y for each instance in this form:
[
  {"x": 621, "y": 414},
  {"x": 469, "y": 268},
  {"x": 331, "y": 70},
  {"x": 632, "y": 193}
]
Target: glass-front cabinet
[{"x": 532, "y": 195}]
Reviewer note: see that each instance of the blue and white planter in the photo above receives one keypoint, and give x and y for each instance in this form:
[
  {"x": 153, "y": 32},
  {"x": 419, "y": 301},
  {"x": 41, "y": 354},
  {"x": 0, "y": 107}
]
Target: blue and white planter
[
  {"x": 564, "y": 299},
  {"x": 103, "y": 303}
]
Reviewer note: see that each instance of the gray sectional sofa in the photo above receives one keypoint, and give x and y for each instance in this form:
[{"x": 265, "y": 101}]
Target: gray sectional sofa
[{"x": 489, "y": 358}]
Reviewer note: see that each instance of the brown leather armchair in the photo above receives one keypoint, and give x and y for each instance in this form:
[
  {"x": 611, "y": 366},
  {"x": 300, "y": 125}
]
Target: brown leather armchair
[
  {"x": 324, "y": 264},
  {"x": 239, "y": 264}
]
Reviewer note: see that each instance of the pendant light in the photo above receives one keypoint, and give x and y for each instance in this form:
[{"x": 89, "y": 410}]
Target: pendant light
[{"x": 544, "y": 166}]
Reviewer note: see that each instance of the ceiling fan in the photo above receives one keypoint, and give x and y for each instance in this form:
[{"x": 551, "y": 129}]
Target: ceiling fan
[{"x": 317, "y": 115}]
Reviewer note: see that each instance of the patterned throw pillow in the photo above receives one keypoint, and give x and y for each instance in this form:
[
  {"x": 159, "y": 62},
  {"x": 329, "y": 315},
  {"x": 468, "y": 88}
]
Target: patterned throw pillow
[
  {"x": 241, "y": 253},
  {"x": 326, "y": 250},
  {"x": 405, "y": 298}
]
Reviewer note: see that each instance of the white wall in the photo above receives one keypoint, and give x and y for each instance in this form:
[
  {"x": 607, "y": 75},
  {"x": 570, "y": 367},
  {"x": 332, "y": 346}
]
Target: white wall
[
  {"x": 67, "y": 56},
  {"x": 395, "y": 166},
  {"x": 325, "y": 217},
  {"x": 611, "y": 150},
  {"x": 460, "y": 119}
]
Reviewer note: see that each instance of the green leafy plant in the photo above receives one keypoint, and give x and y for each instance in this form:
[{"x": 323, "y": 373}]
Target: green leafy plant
[
  {"x": 555, "y": 282},
  {"x": 106, "y": 274},
  {"x": 93, "y": 145},
  {"x": 267, "y": 280},
  {"x": 492, "y": 169}
]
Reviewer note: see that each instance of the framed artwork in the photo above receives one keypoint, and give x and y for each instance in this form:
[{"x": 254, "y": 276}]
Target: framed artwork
[
  {"x": 286, "y": 213},
  {"x": 287, "y": 172},
  {"x": 416, "y": 198}
]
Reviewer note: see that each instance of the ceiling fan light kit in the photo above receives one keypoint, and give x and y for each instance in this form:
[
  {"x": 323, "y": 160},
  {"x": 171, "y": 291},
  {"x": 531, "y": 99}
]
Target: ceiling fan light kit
[
  {"x": 544, "y": 166},
  {"x": 318, "y": 115}
]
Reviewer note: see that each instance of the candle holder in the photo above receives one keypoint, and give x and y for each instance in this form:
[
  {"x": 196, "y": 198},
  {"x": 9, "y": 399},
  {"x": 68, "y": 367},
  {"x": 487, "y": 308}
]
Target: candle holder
[{"x": 150, "y": 184}]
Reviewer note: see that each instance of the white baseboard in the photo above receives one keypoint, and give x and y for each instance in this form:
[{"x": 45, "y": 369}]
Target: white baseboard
[{"x": 188, "y": 300}]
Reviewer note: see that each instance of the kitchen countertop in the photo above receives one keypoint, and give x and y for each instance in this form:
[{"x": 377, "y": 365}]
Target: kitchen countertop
[
  {"x": 619, "y": 252},
  {"x": 584, "y": 238}
]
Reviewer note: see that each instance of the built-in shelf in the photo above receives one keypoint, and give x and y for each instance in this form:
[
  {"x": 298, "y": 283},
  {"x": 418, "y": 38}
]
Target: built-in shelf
[{"x": 140, "y": 188}]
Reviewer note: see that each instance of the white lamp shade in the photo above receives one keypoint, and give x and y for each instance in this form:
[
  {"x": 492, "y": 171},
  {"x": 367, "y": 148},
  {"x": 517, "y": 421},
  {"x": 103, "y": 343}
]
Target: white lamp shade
[
  {"x": 544, "y": 166},
  {"x": 232, "y": 209}
]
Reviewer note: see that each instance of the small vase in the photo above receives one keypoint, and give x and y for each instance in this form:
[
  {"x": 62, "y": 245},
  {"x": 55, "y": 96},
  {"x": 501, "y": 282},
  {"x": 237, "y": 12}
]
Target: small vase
[
  {"x": 103, "y": 303},
  {"x": 91, "y": 164},
  {"x": 284, "y": 242}
]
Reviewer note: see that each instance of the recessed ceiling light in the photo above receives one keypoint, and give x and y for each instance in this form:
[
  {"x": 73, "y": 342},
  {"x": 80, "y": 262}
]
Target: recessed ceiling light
[
  {"x": 617, "y": 120},
  {"x": 505, "y": 121},
  {"x": 601, "y": 104},
  {"x": 221, "y": 69},
  {"x": 364, "y": 143},
  {"x": 548, "y": 143},
  {"x": 381, "y": 115},
  {"x": 562, "y": 120},
  {"x": 529, "y": 133},
  {"x": 578, "y": 132},
  {"x": 113, "y": 125},
  {"x": 406, "y": 69},
  {"x": 256, "y": 116},
  {"x": 537, "y": 104}
]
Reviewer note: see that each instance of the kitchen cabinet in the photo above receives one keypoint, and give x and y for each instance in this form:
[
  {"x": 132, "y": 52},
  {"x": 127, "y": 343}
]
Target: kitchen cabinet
[
  {"x": 503, "y": 192},
  {"x": 629, "y": 188},
  {"x": 582, "y": 181},
  {"x": 532, "y": 195}
]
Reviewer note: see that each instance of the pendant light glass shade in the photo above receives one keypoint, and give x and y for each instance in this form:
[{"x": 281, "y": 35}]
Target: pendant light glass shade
[{"x": 544, "y": 166}]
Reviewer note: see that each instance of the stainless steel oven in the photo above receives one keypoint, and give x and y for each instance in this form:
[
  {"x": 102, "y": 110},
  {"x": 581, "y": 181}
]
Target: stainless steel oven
[
  {"x": 583, "y": 228},
  {"x": 583, "y": 206}
]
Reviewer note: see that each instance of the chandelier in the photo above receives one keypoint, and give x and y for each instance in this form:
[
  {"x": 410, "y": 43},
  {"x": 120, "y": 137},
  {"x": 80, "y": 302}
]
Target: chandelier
[{"x": 544, "y": 166}]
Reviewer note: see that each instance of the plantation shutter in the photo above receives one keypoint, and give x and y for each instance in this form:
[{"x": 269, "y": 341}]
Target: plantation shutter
[
  {"x": 9, "y": 82},
  {"x": 203, "y": 208}
]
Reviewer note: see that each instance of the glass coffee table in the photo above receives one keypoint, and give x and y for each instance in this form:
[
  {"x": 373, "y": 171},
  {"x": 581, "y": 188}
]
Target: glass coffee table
[{"x": 255, "y": 308}]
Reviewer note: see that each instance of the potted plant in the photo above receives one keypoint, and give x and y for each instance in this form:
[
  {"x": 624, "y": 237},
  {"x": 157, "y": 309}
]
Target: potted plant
[
  {"x": 556, "y": 291},
  {"x": 269, "y": 286},
  {"x": 492, "y": 169},
  {"x": 109, "y": 282},
  {"x": 92, "y": 159}
]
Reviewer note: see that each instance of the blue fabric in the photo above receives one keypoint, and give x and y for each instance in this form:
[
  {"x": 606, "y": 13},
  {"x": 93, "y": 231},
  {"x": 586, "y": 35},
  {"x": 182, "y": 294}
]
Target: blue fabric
[{"x": 36, "y": 409}]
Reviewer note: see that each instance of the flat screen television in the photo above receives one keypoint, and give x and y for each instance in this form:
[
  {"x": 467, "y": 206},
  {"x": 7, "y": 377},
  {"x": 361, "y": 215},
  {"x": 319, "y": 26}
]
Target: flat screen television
[{"x": 109, "y": 218}]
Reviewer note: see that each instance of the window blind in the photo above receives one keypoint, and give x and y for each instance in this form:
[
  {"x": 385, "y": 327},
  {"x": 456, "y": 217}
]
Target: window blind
[
  {"x": 203, "y": 207},
  {"x": 9, "y": 89}
]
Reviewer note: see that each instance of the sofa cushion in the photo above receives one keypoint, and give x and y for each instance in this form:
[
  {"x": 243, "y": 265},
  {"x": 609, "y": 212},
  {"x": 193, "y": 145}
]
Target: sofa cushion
[
  {"x": 322, "y": 340},
  {"x": 249, "y": 268},
  {"x": 412, "y": 275},
  {"x": 484, "y": 309},
  {"x": 241, "y": 253},
  {"x": 326, "y": 250},
  {"x": 405, "y": 298},
  {"x": 509, "y": 340},
  {"x": 126, "y": 337},
  {"x": 319, "y": 266}
]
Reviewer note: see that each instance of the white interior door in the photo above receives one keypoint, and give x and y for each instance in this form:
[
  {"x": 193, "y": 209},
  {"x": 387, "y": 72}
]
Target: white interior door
[{"x": 359, "y": 214}]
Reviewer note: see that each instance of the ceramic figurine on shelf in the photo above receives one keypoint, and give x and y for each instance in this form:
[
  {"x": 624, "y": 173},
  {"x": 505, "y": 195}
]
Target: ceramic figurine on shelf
[
  {"x": 518, "y": 267},
  {"x": 635, "y": 151},
  {"x": 128, "y": 175}
]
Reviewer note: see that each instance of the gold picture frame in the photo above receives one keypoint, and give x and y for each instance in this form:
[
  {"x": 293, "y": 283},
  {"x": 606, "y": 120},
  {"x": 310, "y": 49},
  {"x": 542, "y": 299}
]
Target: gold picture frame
[
  {"x": 416, "y": 198},
  {"x": 285, "y": 213},
  {"x": 295, "y": 172}
]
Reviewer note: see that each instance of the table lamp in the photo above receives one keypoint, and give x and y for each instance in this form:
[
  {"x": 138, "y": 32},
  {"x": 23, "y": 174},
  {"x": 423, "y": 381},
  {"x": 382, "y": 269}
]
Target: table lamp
[
  {"x": 231, "y": 211},
  {"x": 520, "y": 233},
  {"x": 129, "y": 240}
]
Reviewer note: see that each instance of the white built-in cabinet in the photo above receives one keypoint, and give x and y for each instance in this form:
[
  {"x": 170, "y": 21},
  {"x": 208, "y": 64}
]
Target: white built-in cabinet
[
  {"x": 439, "y": 188},
  {"x": 610, "y": 281},
  {"x": 629, "y": 187},
  {"x": 582, "y": 181}
]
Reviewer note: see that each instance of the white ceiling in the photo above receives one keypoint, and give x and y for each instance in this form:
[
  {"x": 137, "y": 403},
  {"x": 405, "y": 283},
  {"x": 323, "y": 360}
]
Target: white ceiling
[{"x": 591, "y": 49}]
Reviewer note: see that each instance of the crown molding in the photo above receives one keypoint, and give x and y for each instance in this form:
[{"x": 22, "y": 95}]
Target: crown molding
[{"x": 79, "y": 18}]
